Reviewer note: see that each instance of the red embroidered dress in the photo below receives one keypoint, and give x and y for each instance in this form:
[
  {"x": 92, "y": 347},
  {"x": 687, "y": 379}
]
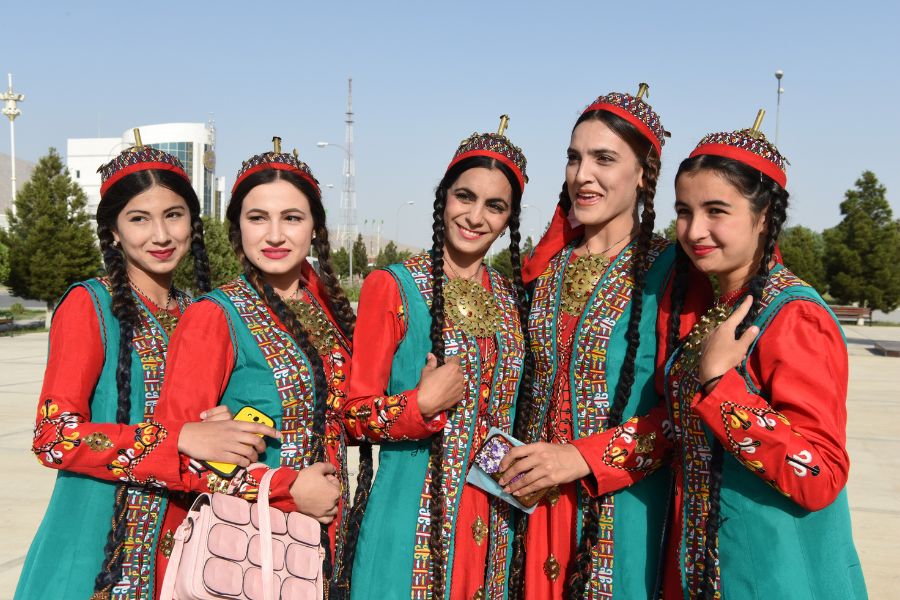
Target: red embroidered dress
[
  {"x": 76, "y": 432},
  {"x": 215, "y": 358},
  {"x": 781, "y": 419},
  {"x": 393, "y": 552}
]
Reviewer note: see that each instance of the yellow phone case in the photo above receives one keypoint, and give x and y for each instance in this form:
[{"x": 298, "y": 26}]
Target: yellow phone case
[{"x": 249, "y": 415}]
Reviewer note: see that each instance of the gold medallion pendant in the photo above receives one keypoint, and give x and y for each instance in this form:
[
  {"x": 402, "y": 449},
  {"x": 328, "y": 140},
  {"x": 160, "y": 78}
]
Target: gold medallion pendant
[
  {"x": 471, "y": 307},
  {"x": 714, "y": 317},
  {"x": 316, "y": 324},
  {"x": 582, "y": 277}
]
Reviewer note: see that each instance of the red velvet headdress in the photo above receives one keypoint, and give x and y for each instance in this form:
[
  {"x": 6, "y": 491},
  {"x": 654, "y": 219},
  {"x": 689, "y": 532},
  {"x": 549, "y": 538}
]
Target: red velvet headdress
[
  {"x": 138, "y": 158},
  {"x": 496, "y": 146},
  {"x": 636, "y": 111},
  {"x": 748, "y": 146},
  {"x": 276, "y": 159}
]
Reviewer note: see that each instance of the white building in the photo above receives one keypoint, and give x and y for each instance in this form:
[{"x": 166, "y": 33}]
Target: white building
[{"x": 192, "y": 143}]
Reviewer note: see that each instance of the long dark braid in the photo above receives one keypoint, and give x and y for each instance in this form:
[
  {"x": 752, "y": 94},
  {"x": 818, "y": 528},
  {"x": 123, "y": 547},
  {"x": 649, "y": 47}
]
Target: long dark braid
[
  {"x": 524, "y": 407},
  {"x": 436, "y": 451},
  {"x": 126, "y": 311},
  {"x": 765, "y": 196},
  {"x": 649, "y": 160},
  {"x": 346, "y": 319}
]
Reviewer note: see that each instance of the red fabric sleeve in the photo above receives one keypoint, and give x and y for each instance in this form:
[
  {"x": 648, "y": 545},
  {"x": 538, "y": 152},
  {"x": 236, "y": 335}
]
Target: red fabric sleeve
[
  {"x": 199, "y": 365},
  {"x": 64, "y": 435},
  {"x": 370, "y": 414},
  {"x": 622, "y": 456},
  {"x": 795, "y": 440}
]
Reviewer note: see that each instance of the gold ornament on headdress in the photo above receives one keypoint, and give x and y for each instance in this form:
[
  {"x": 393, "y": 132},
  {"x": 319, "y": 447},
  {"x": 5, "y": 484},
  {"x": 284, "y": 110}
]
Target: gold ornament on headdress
[
  {"x": 504, "y": 123},
  {"x": 754, "y": 131},
  {"x": 643, "y": 90},
  {"x": 138, "y": 144},
  {"x": 276, "y": 143}
]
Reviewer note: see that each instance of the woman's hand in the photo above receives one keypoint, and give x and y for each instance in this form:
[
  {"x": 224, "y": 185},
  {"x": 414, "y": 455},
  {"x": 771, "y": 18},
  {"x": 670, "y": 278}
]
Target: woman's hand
[
  {"x": 316, "y": 492},
  {"x": 220, "y": 412},
  {"x": 544, "y": 465},
  {"x": 440, "y": 388},
  {"x": 720, "y": 351},
  {"x": 233, "y": 442}
]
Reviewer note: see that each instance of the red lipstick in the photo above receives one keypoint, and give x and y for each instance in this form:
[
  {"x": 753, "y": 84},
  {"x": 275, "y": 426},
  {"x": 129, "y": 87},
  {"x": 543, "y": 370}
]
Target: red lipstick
[
  {"x": 162, "y": 254},
  {"x": 275, "y": 253},
  {"x": 702, "y": 250}
]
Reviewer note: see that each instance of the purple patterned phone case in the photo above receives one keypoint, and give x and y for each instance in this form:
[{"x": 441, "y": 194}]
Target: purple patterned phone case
[{"x": 491, "y": 453}]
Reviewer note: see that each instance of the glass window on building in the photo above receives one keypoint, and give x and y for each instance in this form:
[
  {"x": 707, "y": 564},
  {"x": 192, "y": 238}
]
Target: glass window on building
[{"x": 183, "y": 151}]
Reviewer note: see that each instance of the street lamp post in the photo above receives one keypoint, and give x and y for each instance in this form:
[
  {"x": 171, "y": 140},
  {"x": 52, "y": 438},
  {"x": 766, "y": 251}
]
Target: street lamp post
[
  {"x": 11, "y": 111},
  {"x": 397, "y": 222},
  {"x": 778, "y": 75},
  {"x": 538, "y": 211}
]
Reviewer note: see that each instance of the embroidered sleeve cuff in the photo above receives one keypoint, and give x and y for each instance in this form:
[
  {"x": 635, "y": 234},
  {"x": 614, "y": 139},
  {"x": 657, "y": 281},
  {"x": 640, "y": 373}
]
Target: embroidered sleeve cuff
[
  {"x": 164, "y": 464},
  {"x": 280, "y": 488}
]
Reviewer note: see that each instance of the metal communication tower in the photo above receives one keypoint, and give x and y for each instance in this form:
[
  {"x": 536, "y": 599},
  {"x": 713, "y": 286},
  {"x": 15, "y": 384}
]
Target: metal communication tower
[{"x": 348, "y": 195}]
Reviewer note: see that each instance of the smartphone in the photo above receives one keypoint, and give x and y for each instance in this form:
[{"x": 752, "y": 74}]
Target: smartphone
[{"x": 249, "y": 415}]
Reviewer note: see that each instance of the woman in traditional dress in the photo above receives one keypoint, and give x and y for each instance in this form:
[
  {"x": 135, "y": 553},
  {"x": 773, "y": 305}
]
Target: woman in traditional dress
[
  {"x": 757, "y": 398},
  {"x": 96, "y": 422},
  {"x": 276, "y": 339},
  {"x": 426, "y": 533},
  {"x": 592, "y": 327}
]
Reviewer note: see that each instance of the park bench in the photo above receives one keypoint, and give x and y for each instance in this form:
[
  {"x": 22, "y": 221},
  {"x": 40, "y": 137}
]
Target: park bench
[{"x": 858, "y": 315}]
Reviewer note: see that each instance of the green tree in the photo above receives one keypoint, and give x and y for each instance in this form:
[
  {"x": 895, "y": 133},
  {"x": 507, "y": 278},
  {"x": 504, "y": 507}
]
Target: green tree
[
  {"x": 527, "y": 247},
  {"x": 502, "y": 261},
  {"x": 803, "y": 251},
  {"x": 669, "y": 231},
  {"x": 223, "y": 264},
  {"x": 862, "y": 253},
  {"x": 340, "y": 261},
  {"x": 4, "y": 263},
  {"x": 360, "y": 257},
  {"x": 50, "y": 237},
  {"x": 388, "y": 255}
]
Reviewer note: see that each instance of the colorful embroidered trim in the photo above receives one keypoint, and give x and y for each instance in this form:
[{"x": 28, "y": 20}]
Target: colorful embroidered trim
[{"x": 496, "y": 146}]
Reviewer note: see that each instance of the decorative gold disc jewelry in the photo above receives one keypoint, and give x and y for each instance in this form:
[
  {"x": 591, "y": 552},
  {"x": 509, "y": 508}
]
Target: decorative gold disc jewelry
[
  {"x": 582, "y": 276},
  {"x": 471, "y": 307},
  {"x": 167, "y": 321},
  {"x": 705, "y": 326},
  {"x": 316, "y": 324}
]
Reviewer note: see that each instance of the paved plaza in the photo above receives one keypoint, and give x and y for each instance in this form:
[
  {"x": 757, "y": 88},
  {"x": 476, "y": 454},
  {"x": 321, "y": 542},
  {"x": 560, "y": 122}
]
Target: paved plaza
[{"x": 873, "y": 433}]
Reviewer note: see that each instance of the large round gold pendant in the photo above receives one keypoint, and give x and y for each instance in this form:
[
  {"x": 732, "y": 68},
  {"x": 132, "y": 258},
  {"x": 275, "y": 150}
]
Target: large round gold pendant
[
  {"x": 471, "y": 308},
  {"x": 316, "y": 324},
  {"x": 582, "y": 277}
]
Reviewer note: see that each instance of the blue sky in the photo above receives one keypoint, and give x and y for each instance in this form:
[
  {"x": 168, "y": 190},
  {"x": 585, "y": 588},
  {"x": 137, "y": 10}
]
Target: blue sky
[{"x": 428, "y": 74}]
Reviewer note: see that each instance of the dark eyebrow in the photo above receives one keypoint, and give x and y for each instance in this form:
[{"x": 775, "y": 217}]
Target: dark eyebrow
[
  {"x": 598, "y": 152},
  {"x": 716, "y": 202},
  {"x": 293, "y": 210},
  {"x": 137, "y": 211}
]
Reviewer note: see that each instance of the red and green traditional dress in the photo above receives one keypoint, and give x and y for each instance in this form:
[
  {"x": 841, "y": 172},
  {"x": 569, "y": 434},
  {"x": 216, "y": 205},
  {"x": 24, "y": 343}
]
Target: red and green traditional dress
[
  {"x": 231, "y": 349},
  {"x": 76, "y": 432},
  {"x": 578, "y": 358},
  {"x": 392, "y": 340},
  {"x": 781, "y": 418}
]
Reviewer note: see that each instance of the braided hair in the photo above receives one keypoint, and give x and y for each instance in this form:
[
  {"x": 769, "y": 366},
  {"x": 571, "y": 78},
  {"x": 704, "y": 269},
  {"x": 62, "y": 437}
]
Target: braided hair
[
  {"x": 436, "y": 451},
  {"x": 337, "y": 576},
  {"x": 127, "y": 315},
  {"x": 649, "y": 161},
  {"x": 767, "y": 200}
]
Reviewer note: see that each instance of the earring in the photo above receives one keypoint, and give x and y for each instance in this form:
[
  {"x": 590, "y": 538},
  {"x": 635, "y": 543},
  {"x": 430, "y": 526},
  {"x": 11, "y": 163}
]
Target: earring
[{"x": 503, "y": 233}]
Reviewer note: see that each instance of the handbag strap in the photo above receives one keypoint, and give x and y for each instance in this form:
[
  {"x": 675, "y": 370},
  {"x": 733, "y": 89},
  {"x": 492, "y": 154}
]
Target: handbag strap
[
  {"x": 167, "y": 590},
  {"x": 265, "y": 535}
]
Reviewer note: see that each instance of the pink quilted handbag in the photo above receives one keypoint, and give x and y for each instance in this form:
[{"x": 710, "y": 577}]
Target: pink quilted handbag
[{"x": 230, "y": 548}]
